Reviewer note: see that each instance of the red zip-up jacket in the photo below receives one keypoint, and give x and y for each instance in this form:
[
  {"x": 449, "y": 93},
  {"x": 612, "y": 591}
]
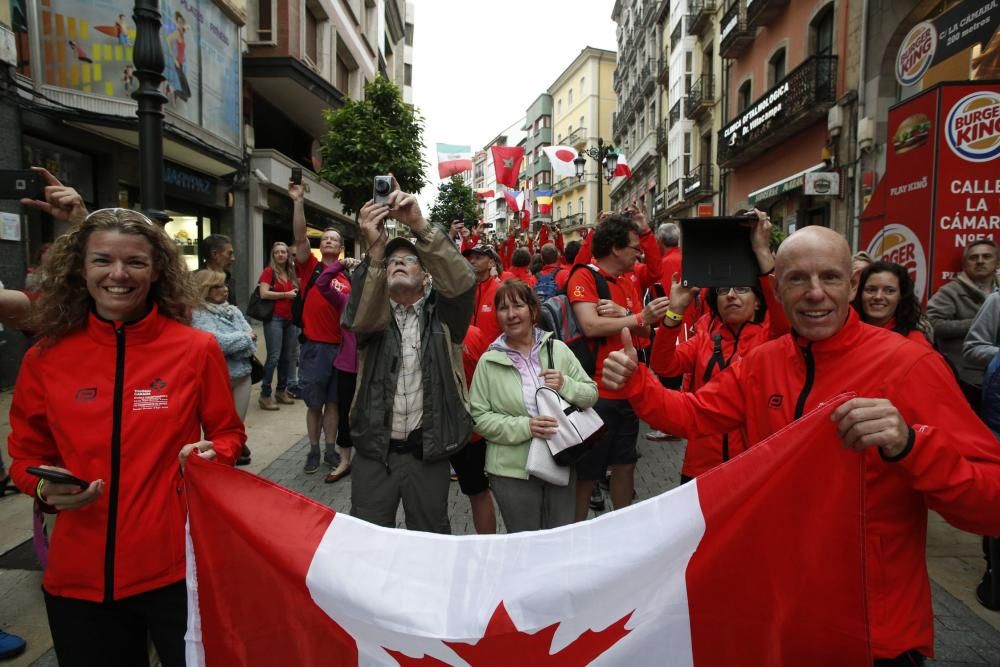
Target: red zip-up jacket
[
  {"x": 953, "y": 466},
  {"x": 694, "y": 358},
  {"x": 485, "y": 314},
  {"x": 117, "y": 402}
]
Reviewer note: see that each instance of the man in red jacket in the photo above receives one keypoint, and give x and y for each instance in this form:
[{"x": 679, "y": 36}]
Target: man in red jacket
[
  {"x": 923, "y": 446},
  {"x": 483, "y": 261}
]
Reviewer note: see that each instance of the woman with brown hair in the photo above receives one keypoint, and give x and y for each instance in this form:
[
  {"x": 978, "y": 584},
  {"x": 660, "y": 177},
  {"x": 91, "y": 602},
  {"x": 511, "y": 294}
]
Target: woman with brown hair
[
  {"x": 115, "y": 387},
  {"x": 279, "y": 283}
]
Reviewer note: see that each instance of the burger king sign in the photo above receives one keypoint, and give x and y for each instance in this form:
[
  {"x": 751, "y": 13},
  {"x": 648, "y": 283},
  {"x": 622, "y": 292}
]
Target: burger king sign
[
  {"x": 972, "y": 130},
  {"x": 900, "y": 245},
  {"x": 916, "y": 53}
]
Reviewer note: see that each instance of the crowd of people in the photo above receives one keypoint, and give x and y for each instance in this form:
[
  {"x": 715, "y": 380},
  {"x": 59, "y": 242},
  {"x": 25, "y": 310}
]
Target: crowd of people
[{"x": 422, "y": 360}]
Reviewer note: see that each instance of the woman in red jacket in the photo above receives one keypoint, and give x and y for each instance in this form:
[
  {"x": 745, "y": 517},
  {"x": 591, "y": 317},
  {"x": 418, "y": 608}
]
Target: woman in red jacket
[
  {"x": 885, "y": 299},
  {"x": 117, "y": 389}
]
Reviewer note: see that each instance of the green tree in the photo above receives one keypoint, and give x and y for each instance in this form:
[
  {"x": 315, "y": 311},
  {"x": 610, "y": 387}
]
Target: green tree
[
  {"x": 378, "y": 135},
  {"x": 455, "y": 201}
]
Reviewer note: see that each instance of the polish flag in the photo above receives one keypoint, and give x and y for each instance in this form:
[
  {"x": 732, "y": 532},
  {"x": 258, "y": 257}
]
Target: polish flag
[
  {"x": 561, "y": 158},
  {"x": 758, "y": 562},
  {"x": 622, "y": 168}
]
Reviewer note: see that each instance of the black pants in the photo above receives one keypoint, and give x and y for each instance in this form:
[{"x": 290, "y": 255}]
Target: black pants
[
  {"x": 911, "y": 658},
  {"x": 92, "y": 634},
  {"x": 346, "y": 382}
]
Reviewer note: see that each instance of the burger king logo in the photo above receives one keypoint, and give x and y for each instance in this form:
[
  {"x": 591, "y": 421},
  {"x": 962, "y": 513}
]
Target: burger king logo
[
  {"x": 973, "y": 127},
  {"x": 898, "y": 244},
  {"x": 916, "y": 53}
]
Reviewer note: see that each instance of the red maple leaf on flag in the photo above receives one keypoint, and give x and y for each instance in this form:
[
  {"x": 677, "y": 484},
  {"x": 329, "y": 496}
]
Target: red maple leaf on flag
[{"x": 503, "y": 644}]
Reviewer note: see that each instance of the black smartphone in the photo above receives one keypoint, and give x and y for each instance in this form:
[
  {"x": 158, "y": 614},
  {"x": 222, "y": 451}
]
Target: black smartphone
[
  {"x": 21, "y": 183},
  {"x": 58, "y": 477},
  {"x": 297, "y": 175}
]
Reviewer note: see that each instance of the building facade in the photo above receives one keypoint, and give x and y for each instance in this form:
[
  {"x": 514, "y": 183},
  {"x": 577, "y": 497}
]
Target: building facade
[
  {"x": 538, "y": 171},
  {"x": 583, "y": 100}
]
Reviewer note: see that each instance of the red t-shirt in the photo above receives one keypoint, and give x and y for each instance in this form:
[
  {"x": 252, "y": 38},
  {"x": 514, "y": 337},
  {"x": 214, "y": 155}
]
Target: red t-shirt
[
  {"x": 582, "y": 287},
  {"x": 282, "y": 307},
  {"x": 320, "y": 320}
]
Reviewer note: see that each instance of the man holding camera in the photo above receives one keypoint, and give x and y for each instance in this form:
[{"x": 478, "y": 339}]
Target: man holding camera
[{"x": 409, "y": 339}]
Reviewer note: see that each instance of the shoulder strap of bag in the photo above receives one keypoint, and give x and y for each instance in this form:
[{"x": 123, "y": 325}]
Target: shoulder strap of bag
[
  {"x": 312, "y": 279},
  {"x": 548, "y": 349}
]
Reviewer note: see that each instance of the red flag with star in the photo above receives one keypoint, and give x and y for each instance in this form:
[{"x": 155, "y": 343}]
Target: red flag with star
[
  {"x": 729, "y": 569},
  {"x": 507, "y": 163}
]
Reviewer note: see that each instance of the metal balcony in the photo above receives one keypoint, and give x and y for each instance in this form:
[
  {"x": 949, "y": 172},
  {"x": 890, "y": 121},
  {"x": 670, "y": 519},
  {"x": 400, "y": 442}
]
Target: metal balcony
[
  {"x": 577, "y": 138},
  {"x": 663, "y": 70},
  {"x": 735, "y": 35},
  {"x": 700, "y": 15},
  {"x": 700, "y": 97},
  {"x": 661, "y": 138},
  {"x": 698, "y": 183},
  {"x": 647, "y": 77},
  {"x": 794, "y": 103},
  {"x": 674, "y": 196},
  {"x": 761, "y": 12},
  {"x": 675, "y": 112}
]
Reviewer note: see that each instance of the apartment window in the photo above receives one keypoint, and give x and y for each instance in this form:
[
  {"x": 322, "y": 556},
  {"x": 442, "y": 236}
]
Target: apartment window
[
  {"x": 569, "y": 209},
  {"x": 687, "y": 153},
  {"x": 776, "y": 68},
  {"x": 743, "y": 97},
  {"x": 581, "y": 85},
  {"x": 559, "y": 106},
  {"x": 265, "y": 20},
  {"x": 407, "y": 74},
  {"x": 581, "y": 121},
  {"x": 409, "y": 34},
  {"x": 822, "y": 28},
  {"x": 580, "y": 204},
  {"x": 688, "y": 69},
  {"x": 543, "y": 178},
  {"x": 642, "y": 123},
  {"x": 569, "y": 97},
  {"x": 312, "y": 36},
  {"x": 558, "y": 212}
]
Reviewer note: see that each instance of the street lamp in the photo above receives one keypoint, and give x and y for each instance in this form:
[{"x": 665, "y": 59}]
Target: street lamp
[
  {"x": 606, "y": 157},
  {"x": 148, "y": 60}
]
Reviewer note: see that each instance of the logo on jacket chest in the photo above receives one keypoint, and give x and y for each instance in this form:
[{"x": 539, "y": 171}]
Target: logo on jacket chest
[
  {"x": 774, "y": 401},
  {"x": 152, "y": 398}
]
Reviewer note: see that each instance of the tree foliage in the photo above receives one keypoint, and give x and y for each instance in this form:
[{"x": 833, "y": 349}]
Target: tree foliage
[
  {"x": 378, "y": 135},
  {"x": 455, "y": 201}
]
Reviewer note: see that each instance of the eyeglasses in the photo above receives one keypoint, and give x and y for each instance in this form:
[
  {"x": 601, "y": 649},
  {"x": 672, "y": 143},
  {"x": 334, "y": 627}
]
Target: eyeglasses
[
  {"x": 408, "y": 260},
  {"x": 116, "y": 210},
  {"x": 723, "y": 291},
  {"x": 637, "y": 248}
]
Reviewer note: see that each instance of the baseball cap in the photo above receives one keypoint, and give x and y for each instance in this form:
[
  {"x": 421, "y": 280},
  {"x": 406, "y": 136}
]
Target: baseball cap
[
  {"x": 400, "y": 242},
  {"x": 480, "y": 250}
]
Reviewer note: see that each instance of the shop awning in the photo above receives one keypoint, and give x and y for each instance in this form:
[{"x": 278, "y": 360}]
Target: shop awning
[{"x": 781, "y": 187}]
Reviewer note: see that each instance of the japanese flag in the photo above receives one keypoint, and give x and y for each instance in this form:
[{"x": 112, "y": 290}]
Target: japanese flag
[
  {"x": 561, "y": 158},
  {"x": 758, "y": 562}
]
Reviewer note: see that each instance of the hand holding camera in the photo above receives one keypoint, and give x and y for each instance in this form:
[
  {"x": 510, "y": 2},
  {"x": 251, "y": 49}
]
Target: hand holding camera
[
  {"x": 680, "y": 296},
  {"x": 61, "y": 202},
  {"x": 403, "y": 206}
]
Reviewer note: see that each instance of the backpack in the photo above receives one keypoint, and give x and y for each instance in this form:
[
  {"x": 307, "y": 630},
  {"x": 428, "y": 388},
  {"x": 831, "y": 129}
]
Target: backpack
[
  {"x": 559, "y": 318},
  {"x": 546, "y": 287},
  {"x": 299, "y": 302}
]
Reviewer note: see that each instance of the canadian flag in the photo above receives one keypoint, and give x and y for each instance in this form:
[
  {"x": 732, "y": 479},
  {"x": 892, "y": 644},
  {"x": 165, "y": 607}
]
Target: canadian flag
[{"x": 758, "y": 562}]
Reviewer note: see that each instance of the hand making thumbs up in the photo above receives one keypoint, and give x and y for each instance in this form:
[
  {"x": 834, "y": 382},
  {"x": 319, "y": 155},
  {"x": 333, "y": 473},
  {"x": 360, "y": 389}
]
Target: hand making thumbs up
[{"x": 620, "y": 364}]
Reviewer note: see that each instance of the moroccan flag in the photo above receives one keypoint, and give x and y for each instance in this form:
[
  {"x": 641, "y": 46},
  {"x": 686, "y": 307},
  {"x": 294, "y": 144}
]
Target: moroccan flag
[
  {"x": 453, "y": 159},
  {"x": 507, "y": 163},
  {"x": 757, "y": 562},
  {"x": 622, "y": 168},
  {"x": 561, "y": 158},
  {"x": 544, "y": 200}
]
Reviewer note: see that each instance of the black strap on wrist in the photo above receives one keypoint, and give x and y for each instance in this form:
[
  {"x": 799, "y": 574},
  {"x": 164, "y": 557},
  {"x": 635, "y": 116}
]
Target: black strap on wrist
[{"x": 910, "y": 439}]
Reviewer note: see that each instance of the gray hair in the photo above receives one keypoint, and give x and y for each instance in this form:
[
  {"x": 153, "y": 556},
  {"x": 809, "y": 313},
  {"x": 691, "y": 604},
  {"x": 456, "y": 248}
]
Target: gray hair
[{"x": 668, "y": 235}]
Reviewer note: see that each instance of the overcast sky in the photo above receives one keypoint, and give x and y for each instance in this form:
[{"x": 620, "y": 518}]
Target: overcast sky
[{"x": 478, "y": 65}]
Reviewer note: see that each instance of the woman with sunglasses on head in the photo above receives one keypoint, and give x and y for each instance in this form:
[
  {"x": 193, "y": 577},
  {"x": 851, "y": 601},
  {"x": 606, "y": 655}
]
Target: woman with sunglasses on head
[
  {"x": 885, "y": 299},
  {"x": 742, "y": 317},
  {"x": 279, "y": 283},
  {"x": 225, "y": 321},
  {"x": 119, "y": 392}
]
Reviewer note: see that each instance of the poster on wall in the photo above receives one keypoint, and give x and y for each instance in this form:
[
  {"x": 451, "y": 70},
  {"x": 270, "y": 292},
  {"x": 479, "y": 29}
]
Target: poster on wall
[{"x": 87, "y": 46}]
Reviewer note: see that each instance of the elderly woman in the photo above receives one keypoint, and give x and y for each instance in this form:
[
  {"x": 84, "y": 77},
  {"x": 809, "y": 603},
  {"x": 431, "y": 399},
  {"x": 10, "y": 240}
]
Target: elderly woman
[
  {"x": 225, "y": 321},
  {"x": 503, "y": 406},
  {"x": 118, "y": 391}
]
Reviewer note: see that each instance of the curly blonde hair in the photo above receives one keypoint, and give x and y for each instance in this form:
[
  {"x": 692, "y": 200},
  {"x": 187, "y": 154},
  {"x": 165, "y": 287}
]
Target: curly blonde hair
[{"x": 65, "y": 303}]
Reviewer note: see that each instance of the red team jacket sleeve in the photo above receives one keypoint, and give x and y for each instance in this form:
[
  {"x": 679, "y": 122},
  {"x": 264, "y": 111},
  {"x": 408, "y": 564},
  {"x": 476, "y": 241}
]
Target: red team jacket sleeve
[
  {"x": 30, "y": 443},
  {"x": 668, "y": 358},
  {"x": 954, "y": 463},
  {"x": 651, "y": 261},
  {"x": 584, "y": 256},
  {"x": 219, "y": 420}
]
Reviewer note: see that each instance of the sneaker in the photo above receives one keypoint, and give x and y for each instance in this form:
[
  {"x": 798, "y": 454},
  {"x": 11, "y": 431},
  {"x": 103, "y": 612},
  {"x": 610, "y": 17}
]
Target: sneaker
[
  {"x": 312, "y": 463},
  {"x": 244, "y": 458},
  {"x": 596, "y": 499},
  {"x": 10, "y": 645},
  {"x": 331, "y": 458},
  {"x": 293, "y": 392},
  {"x": 660, "y": 436}
]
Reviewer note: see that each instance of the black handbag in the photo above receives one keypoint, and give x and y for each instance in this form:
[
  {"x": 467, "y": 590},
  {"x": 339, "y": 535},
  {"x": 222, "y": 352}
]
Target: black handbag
[
  {"x": 256, "y": 370},
  {"x": 258, "y": 308}
]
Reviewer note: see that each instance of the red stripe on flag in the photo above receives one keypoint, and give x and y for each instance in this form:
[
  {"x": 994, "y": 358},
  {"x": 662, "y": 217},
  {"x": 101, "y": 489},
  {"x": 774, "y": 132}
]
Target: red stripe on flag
[
  {"x": 252, "y": 571},
  {"x": 747, "y": 595}
]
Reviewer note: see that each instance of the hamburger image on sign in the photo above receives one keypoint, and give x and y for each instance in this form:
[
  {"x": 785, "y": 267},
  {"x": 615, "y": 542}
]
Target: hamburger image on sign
[{"x": 912, "y": 132}]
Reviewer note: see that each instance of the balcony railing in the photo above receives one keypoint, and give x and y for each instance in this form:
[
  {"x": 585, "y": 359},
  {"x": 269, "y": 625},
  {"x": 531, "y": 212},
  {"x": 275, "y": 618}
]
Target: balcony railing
[
  {"x": 700, "y": 15},
  {"x": 761, "y": 12},
  {"x": 795, "y": 102},
  {"x": 675, "y": 112},
  {"x": 578, "y": 137},
  {"x": 700, "y": 96},
  {"x": 678, "y": 32},
  {"x": 661, "y": 138},
  {"x": 734, "y": 33},
  {"x": 663, "y": 70},
  {"x": 674, "y": 192},
  {"x": 647, "y": 77},
  {"x": 698, "y": 183}
]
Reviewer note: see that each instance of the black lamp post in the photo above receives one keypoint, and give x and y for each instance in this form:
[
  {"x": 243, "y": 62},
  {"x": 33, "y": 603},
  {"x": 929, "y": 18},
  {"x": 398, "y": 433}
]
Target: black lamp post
[
  {"x": 148, "y": 59},
  {"x": 606, "y": 157}
]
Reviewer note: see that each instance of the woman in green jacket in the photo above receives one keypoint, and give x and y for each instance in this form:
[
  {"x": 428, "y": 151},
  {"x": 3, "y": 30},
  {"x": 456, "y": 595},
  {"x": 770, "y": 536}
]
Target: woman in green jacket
[{"x": 503, "y": 406}]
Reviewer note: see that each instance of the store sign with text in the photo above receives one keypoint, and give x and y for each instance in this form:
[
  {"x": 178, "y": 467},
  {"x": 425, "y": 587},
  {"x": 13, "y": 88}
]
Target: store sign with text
[
  {"x": 942, "y": 182},
  {"x": 962, "y": 43}
]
